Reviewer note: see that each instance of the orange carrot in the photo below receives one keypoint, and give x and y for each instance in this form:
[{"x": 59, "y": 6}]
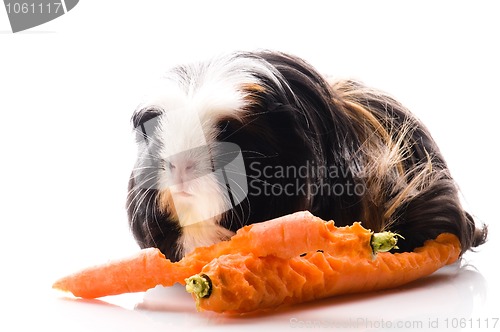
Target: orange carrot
[
  {"x": 138, "y": 273},
  {"x": 133, "y": 274},
  {"x": 242, "y": 283},
  {"x": 285, "y": 237},
  {"x": 258, "y": 252}
]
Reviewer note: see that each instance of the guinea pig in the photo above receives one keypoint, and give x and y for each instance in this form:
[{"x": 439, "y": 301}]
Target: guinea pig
[{"x": 250, "y": 136}]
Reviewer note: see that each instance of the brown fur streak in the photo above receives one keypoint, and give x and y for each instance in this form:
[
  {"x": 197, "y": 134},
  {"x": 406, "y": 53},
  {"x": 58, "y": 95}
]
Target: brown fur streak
[
  {"x": 409, "y": 188},
  {"x": 165, "y": 203}
]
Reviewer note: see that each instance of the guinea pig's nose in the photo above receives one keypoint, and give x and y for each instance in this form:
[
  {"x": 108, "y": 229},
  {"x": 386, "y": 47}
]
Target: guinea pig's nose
[{"x": 181, "y": 170}]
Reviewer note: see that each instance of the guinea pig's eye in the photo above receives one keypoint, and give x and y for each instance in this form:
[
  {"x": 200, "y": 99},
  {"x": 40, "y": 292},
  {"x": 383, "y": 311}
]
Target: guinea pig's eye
[
  {"x": 144, "y": 115},
  {"x": 145, "y": 122}
]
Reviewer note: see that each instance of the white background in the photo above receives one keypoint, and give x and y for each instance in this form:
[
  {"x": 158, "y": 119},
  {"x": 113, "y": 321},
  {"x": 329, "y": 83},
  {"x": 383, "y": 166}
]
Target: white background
[{"x": 68, "y": 89}]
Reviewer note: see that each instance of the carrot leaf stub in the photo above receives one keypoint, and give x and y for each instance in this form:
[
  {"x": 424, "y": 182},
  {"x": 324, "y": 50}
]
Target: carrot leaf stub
[
  {"x": 200, "y": 285},
  {"x": 384, "y": 241}
]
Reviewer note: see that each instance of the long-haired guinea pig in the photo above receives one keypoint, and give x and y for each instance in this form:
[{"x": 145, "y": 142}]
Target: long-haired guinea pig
[{"x": 248, "y": 137}]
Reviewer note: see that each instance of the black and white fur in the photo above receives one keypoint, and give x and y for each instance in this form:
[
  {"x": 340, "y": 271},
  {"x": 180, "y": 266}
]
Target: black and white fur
[{"x": 284, "y": 115}]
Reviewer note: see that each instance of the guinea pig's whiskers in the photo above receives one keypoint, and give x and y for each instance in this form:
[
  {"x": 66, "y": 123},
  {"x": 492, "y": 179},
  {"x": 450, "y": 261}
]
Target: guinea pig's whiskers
[
  {"x": 138, "y": 195},
  {"x": 142, "y": 184},
  {"x": 236, "y": 218},
  {"x": 142, "y": 168},
  {"x": 256, "y": 153},
  {"x": 238, "y": 186},
  {"x": 149, "y": 157},
  {"x": 259, "y": 155},
  {"x": 225, "y": 127},
  {"x": 151, "y": 206},
  {"x": 141, "y": 198},
  {"x": 242, "y": 217},
  {"x": 248, "y": 115},
  {"x": 148, "y": 139},
  {"x": 149, "y": 154},
  {"x": 252, "y": 177}
]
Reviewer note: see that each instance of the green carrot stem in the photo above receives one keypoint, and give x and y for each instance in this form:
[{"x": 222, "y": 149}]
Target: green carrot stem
[
  {"x": 199, "y": 285},
  {"x": 384, "y": 241}
]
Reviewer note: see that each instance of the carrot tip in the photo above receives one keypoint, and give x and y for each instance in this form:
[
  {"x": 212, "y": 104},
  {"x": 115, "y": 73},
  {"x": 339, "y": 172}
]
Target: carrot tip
[
  {"x": 58, "y": 286},
  {"x": 384, "y": 241},
  {"x": 200, "y": 285}
]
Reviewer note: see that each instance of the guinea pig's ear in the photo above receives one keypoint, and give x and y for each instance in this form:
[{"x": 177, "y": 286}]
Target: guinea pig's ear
[{"x": 145, "y": 121}]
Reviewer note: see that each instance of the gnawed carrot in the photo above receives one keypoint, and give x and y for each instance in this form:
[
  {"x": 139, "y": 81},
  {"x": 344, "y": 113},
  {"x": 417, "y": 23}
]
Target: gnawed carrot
[
  {"x": 284, "y": 237},
  {"x": 242, "y": 283},
  {"x": 280, "y": 243}
]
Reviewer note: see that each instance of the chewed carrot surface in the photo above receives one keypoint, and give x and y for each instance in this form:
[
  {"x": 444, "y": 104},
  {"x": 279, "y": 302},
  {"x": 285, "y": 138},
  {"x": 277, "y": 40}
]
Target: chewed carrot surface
[
  {"x": 242, "y": 283},
  {"x": 291, "y": 259}
]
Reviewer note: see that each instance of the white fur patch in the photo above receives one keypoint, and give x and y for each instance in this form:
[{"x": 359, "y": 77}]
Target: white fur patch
[
  {"x": 193, "y": 99},
  {"x": 202, "y": 234}
]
